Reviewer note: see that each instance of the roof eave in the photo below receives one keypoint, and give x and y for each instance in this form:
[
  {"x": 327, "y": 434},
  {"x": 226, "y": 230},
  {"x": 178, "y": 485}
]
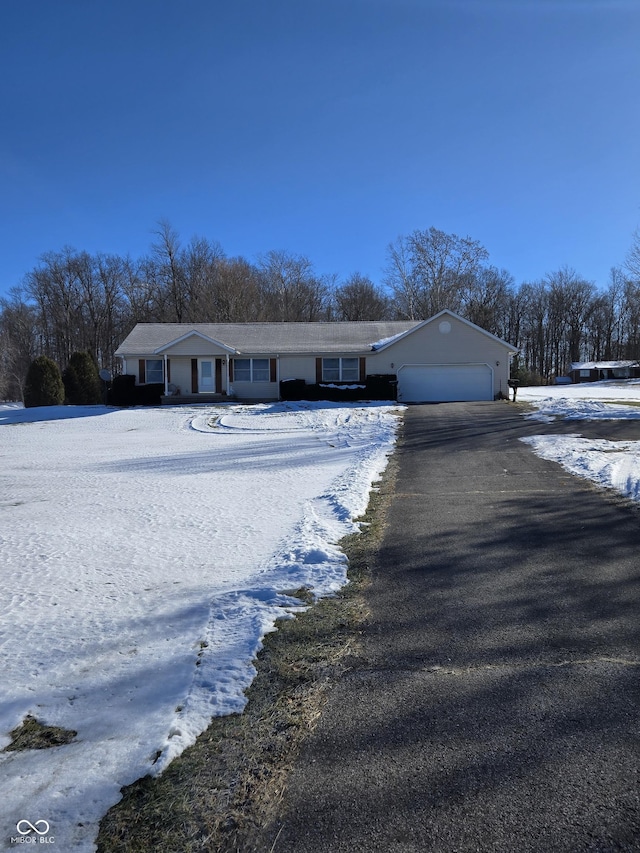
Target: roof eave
[{"x": 512, "y": 350}]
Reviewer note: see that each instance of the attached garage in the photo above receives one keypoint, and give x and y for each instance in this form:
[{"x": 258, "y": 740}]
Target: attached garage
[{"x": 441, "y": 383}]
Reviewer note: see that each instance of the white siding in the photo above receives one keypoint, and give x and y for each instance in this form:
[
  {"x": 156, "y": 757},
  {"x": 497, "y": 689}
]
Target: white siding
[
  {"x": 195, "y": 345},
  {"x": 298, "y": 367},
  {"x": 256, "y": 390},
  {"x": 181, "y": 374}
]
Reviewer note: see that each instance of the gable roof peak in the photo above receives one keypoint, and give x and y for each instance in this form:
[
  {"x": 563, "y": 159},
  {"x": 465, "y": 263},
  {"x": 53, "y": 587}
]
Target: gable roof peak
[{"x": 194, "y": 333}]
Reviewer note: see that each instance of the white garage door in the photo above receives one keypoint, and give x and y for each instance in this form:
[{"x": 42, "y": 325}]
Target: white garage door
[{"x": 441, "y": 383}]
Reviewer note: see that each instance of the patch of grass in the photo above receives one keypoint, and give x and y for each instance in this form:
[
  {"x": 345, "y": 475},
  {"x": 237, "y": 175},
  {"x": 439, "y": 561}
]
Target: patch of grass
[
  {"x": 32, "y": 734},
  {"x": 220, "y": 792}
]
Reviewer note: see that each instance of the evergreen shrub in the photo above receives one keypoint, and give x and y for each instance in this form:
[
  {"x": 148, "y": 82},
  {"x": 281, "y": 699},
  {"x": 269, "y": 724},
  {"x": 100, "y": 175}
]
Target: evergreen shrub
[
  {"x": 150, "y": 394},
  {"x": 123, "y": 390},
  {"x": 82, "y": 381},
  {"x": 72, "y": 390},
  {"x": 44, "y": 386}
]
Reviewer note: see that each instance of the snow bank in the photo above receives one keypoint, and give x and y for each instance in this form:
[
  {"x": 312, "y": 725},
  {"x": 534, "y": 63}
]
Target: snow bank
[
  {"x": 549, "y": 408},
  {"x": 609, "y": 464}
]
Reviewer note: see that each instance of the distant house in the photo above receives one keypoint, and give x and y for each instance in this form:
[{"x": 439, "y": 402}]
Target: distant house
[
  {"x": 445, "y": 358},
  {"x": 596, "y": 371}
]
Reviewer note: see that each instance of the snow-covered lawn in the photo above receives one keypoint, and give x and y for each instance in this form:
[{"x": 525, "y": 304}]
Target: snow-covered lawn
[
  {"x": 610, "y": 464},
  {"x": 144, "y": 553}
]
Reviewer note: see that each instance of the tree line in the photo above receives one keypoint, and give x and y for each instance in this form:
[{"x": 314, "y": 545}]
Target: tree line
[{"x": 73, "y": 301}]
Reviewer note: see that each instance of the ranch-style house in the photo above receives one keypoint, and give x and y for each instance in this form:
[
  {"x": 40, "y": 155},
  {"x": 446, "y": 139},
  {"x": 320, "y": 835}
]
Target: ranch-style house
[{"x": 444, "y": 358}]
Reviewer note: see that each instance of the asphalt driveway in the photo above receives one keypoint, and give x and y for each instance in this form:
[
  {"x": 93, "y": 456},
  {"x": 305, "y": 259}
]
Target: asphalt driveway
[{"x": 498, "y": 706}]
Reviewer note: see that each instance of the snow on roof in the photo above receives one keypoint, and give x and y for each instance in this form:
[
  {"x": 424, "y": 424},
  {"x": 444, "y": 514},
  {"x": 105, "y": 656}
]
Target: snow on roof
[
  {"x": 384, "y": 341},
  {"x": 601, "y": 365}
]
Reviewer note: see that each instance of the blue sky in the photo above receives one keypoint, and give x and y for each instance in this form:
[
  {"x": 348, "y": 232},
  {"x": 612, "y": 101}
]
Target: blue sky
[{"x": 323, "y": 127}]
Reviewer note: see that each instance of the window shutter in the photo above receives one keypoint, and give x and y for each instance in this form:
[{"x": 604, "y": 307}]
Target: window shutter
[
  {"x": 194, "y": 375},
  {"x": 363, "y": 368},
  {"x": 273, "y": 370},
  {"x": 230, "y": 370},
  {"x": 318, "y": 370},
  {"x": 141, "y": 371},
  {"x": 168, "y": 370}
]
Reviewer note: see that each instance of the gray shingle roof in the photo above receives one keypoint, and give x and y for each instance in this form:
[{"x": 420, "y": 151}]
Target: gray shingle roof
[{"x": 277, "y": 338}]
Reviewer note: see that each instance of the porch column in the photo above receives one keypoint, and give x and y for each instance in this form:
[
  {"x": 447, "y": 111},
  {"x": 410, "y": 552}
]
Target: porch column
[{"x": 166, "y": 377}]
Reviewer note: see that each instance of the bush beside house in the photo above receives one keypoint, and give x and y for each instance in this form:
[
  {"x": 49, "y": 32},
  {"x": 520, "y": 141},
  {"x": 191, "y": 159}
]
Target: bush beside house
[
  {"x": 124, "y": 392},
  {"x": 81, "y": 381},
  {"x": 44, "y": 386},
  {"x": 375, "y": 387}
]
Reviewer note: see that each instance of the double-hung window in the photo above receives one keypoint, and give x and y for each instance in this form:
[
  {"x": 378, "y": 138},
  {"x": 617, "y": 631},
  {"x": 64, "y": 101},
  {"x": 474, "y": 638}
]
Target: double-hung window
[
  {"x": 340, "y": 370},
  {"x": 251, "y": 370},
  {"x": 154, "y": 370}
]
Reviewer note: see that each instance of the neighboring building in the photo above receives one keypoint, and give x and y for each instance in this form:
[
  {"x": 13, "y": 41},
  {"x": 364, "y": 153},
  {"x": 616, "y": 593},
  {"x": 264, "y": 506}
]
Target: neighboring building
[
  {"x": 445, "y": 358},
  {"x": 596, "y": 371}
]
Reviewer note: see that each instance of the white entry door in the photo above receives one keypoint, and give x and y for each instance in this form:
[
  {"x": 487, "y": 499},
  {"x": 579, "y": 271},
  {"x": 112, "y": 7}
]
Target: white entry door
[{"x": 206, "y": 376}]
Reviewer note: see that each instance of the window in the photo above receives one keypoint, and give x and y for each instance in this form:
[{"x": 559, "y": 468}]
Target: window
[
  {"x": 259, "y": 369},
  {"x": 349, "y": 369},
  {"x": 251, "y": 370},
  {"x": 242, "y": 369},
  {"x": 340, "y": 370},
  {"x": 154, "y": 370},
  {"x": 330, "y": 369}
]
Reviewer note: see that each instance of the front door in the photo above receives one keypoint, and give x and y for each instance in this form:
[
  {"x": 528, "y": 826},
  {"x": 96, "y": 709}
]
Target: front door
[{"x": 206, "y": 376}]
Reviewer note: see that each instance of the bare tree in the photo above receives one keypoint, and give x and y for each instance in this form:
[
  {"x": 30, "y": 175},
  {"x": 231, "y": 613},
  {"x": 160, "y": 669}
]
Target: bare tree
[
  {"x": 630, "y": 321},
  {"x": 446, "y": 266},
  {"x": 632, "y": 261},
  {"x": 359, "y": 299},
  {"x": 400, "y": 279},
  {"x": 55, "y": 288},
  {"x": 164, "y": 268},
  {"x": 139, "y": 294},
  {"x": 488, "y": 304},
  {"x": 201, "y": 264},
  {"x": 112, "y": 274},
  {"x": 292, "y": 291},
  {"x": 431, "y": 270},
  {"x": 579, "y": 295},
  {"x": 18, "y": 343},
  {"x": 535, "y": 307},
  {"x": 238, "y": 296}
]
